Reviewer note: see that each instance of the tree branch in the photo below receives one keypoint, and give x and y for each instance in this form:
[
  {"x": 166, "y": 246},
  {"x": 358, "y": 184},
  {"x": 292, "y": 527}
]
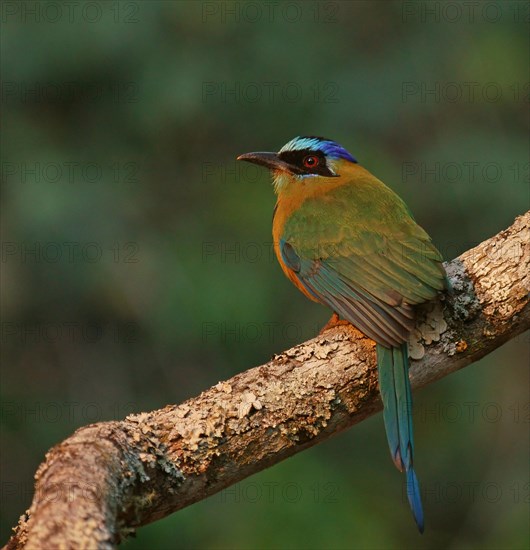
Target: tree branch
[{"x": 108, "y": 478}]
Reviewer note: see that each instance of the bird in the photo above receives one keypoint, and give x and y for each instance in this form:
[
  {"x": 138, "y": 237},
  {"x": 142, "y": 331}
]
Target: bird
[{"x": 347, "y": 241}]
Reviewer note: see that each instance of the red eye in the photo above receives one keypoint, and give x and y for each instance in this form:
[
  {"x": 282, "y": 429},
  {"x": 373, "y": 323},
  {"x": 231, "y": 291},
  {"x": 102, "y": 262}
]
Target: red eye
[{"x": 311, "y": 161}]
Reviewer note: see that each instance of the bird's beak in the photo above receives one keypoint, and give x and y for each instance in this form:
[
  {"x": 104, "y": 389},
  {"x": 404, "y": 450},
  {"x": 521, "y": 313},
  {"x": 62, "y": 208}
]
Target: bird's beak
[{"x": 269, "y": 160}]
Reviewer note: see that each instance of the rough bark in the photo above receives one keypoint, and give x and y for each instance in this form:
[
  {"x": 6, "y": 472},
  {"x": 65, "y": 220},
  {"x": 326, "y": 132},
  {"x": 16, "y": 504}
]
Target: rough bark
[{"x": 108, "y": 478}]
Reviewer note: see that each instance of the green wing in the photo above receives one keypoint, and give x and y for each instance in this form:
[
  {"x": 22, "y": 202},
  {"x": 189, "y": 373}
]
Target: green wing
[{"x": 358, "y": 250}]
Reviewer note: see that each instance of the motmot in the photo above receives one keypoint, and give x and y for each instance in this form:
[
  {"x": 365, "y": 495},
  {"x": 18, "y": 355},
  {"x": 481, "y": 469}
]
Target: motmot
[{"x": 348, "y": 241}]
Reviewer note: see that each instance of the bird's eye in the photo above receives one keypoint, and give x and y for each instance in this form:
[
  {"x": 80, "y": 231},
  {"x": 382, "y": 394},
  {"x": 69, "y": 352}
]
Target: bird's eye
[{"x": 311, "y": 161}]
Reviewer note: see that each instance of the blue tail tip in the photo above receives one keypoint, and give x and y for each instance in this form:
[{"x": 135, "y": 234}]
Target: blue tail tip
[
  {"x": 413, "y": 494},
  {"x": 420, "y": 524}
]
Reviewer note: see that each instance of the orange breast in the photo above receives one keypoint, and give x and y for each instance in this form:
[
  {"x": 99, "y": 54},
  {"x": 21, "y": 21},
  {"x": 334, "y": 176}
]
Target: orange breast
[{"x": 289, "y": 200}]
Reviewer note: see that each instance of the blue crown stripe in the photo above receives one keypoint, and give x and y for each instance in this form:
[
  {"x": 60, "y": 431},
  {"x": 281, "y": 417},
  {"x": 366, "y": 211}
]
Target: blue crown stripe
[{"x": 330, "y": 148}]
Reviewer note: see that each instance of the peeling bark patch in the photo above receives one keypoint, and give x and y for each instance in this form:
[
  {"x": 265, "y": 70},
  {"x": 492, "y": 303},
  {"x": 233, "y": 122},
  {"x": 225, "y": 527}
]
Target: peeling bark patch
[
  {"x": 500, "y": 271},
  {"x": 430, "y": 325}
]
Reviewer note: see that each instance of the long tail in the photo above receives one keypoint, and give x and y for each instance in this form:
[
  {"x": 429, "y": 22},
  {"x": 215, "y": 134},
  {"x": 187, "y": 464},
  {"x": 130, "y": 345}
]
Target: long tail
[{"x": 394, "y": 385}]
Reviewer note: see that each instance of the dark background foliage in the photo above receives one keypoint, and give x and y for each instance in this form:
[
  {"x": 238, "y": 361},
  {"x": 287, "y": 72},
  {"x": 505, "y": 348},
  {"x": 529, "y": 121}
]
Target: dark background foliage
[{"x": 136, "y": 261}]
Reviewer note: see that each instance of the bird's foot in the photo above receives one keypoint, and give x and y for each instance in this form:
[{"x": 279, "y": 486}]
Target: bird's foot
[{"x": 335, "y": 321}]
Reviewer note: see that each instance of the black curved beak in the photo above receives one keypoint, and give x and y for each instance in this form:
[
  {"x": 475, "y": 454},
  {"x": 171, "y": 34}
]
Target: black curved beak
[{"x": 269, "y": 160}]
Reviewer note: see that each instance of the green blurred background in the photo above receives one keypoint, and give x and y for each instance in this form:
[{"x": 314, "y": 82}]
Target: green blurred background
[{"x": 136, "y": 260}]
